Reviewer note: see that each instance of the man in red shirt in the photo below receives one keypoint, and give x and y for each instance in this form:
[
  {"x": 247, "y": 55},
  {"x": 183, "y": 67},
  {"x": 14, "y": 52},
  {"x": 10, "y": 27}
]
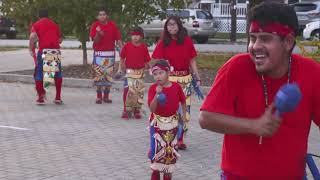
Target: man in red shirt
[
  {"x": 49, "y": 36},
  {"x": 134, "y": 60},
  {"x": 104, "y": 34},
  {"x": 258, "y": 144}
]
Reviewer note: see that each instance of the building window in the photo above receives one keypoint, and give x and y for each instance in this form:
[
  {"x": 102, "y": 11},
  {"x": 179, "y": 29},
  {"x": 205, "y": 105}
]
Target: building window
[
  {"x": 292, "y": 1},
  {"x": 241, "y": 1}
]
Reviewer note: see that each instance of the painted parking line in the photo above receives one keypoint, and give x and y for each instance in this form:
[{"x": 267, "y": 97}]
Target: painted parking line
[{"x": 15, "y": 128}]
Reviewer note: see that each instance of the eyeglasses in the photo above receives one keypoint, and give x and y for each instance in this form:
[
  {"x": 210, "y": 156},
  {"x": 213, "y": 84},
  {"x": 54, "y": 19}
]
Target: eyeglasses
[
  {"x": 102, "y": 14},
  {"x": 172, "y": 24}
]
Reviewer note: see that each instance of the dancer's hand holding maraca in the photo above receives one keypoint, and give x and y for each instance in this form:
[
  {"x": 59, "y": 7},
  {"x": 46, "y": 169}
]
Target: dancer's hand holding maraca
[
  {"x": 159, "y": 89},
  {"x": 161, "y": 97},
  {"x": 267, "y": 124}
]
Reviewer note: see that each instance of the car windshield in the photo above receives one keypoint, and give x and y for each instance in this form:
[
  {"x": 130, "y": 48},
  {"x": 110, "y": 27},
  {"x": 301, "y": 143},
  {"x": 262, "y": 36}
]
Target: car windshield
[
  {"x": 204, "y": 15},
  {"x": 180, "y": 13},
  {"x": 304, "y": 7}
]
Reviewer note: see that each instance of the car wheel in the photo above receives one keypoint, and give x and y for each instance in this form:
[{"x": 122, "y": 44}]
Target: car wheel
[
  {"x": 11, "y": 35},
  {"x": 202, "y": 39},
  {"x": 315, "y": 35}
]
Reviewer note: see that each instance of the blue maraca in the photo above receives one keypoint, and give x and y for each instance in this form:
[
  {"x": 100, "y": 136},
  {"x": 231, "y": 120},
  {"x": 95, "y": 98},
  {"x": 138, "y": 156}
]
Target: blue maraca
[
  {"x": 287, "y": 98},
  {"x": 162, "y": 99}
]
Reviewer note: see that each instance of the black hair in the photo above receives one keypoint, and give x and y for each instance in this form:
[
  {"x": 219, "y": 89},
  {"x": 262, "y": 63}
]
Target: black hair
[
  {"x": 180, "y": 35},
  {"x": 102, "y": 9},
  {"x": 162, "y": 62},
  {"x": 269, "y": 12},
  {"x": 43, "y": 13},
  {"x": 137, "y": 29}
]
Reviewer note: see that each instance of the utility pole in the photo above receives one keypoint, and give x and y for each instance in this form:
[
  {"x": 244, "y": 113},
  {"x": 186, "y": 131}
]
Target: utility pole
[{"x": 233, "y": 12}]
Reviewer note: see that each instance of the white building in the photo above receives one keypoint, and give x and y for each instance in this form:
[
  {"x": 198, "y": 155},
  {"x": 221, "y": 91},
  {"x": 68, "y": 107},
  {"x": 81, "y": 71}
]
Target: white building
[{"x": 220, "y": 10}]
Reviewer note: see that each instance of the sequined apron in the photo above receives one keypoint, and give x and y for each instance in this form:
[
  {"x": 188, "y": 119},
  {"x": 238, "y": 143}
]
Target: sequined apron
[
  {"x": 51, "y": 64},
  {"x": 163, "y": 148},
  {"x": 103, "y": 66},
  {"x": 185, "y": 83},
  {"x": 135, "y": 82}
]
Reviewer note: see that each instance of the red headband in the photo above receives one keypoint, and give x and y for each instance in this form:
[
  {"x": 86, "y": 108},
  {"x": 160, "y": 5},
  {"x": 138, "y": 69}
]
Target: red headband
[
  {"x": 136, "y": 33},
  {"x": 274, "y": 28},
  {"x": 159, "y": 67}
]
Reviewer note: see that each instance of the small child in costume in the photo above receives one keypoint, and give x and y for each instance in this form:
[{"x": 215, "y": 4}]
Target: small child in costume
[
  {"x": 164, "y": 98},
  {"x": 134, "y": 60}
]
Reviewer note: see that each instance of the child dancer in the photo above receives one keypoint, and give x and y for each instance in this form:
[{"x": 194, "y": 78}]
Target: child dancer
[
  {"x": 134, "y": 60},
  {"x": 164, "y": 98}
]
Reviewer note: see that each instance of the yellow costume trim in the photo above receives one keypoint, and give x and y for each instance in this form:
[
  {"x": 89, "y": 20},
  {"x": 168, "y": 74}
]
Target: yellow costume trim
[{"x": 135, "y": 79}]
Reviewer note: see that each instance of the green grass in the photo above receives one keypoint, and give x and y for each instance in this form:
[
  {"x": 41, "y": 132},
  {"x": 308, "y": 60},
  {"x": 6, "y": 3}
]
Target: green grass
[
  {"x": 312, "y": 54},
  {"x": 213, "y": 60}
]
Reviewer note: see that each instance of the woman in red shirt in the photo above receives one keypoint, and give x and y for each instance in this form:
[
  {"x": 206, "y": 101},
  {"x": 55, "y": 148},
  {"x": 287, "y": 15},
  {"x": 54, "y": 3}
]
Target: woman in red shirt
[{"x": 177, "y": 47}]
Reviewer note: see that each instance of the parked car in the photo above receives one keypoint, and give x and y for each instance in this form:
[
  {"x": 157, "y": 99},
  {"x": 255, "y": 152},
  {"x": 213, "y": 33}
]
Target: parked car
[
  {"x": 312, "y": 31},
  {"x": 199, "y": 24},
  {"x": 307, "y": 12},
  {"x": 8, "y": 27}
]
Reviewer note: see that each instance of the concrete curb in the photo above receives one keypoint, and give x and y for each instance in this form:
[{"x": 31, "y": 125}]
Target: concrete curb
[{"x": 71, "y": 82}]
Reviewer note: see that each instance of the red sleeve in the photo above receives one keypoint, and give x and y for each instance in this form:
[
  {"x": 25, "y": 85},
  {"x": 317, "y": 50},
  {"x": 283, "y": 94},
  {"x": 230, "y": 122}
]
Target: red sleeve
[
  {"x": 316, "y": 96},
  {"x": 222, "y": 96},
  {"x": 93, "y": 30},
  {"x": 151, "y": 93},
  {"x": 182, "y": 97},
  {"x": 146, "y": 53},
  {"x": 158, "y": 52},
  {"x": 123, "y": 54},
  {"x": 34, "y": 28},
  {"x": 117, "y": 33},
  {"x": 192, "y": 49}
]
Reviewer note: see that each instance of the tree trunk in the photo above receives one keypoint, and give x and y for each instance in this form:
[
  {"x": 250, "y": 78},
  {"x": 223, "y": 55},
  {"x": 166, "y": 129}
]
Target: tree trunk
[
  {"x": 233, "y": 12},
  {"x": 84, "y": 52}
]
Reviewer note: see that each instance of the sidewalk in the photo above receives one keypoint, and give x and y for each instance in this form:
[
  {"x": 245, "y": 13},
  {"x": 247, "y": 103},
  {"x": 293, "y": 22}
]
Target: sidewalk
[
  {"x": 85, "y": 141},
  {"x": 82, "y": 140}
]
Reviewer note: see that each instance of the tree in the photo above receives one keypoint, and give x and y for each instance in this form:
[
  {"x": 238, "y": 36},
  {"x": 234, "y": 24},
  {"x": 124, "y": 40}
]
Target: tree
[
  {"x": 76, "y": 16},
  {"x": 233, "y": 12},
  {"x": 22, "y": 11}
]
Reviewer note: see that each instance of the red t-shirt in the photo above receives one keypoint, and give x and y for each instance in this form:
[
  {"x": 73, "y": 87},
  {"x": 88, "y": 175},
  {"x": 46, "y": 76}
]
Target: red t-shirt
[
  {"x": 135, "y": 56},
  {"x": 111, "y": 34},
  {"x": 48, "y": 33},
  {"x": 174, "y": 96},
  {"x": 178, "y": 55},
  {"x": 238, "y": 91}
]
